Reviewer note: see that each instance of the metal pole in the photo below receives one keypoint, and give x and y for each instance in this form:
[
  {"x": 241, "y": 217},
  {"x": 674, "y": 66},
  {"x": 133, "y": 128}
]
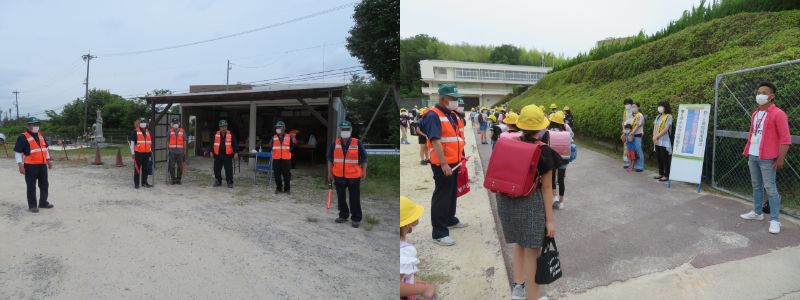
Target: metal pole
[
  {"x": 714, "y": 144},
  {"x": 227, "y": 74},
  {"x": 88, "y": 58}
]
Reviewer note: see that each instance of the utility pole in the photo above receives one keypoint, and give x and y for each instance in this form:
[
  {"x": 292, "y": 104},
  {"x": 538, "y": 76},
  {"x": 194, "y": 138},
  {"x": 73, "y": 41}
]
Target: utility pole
[
  {"x": 227, "y": 74},
  {"x": 323, "y": 62},
  {"x": 88, "y": 58},
  {"x": 16, "y": 102}
]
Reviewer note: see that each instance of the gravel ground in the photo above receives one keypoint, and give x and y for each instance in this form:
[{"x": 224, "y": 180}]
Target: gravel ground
[{"x": 105, "y": 239}]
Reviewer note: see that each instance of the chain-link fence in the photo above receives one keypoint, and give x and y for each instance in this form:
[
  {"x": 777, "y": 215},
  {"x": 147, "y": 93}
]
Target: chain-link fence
[{"x": 734, "y": 103}]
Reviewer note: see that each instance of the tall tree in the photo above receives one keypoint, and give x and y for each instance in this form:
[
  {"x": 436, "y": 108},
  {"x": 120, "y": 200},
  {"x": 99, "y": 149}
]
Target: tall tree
[
  {"x": 506, "y": 54},
  {"x": 375, "y": 39}
]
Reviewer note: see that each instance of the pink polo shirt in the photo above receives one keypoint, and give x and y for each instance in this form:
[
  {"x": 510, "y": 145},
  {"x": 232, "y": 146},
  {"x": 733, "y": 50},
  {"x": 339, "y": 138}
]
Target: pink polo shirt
[{"x": 776, "y": 133}]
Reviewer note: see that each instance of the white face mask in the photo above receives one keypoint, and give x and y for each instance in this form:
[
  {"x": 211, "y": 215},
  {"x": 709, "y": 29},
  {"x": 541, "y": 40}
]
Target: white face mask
[
  {"x": 345, "y": 134},
  {"x": 142, "y": 125},
  {"x": 175, "y": 126},
  {"x": 278, "y": 130},
  {"x": 627, "y": 131},
  {"x": 35, "y": 129},
  {"x": 460, "y": 109},
  {"x": 634, "y": 110},
  {"x": 452, "y": 105},
  {"x": 762, "y": 99},
  {"x": 661, "y": 109},
  {"x": 627, "y": 106}
]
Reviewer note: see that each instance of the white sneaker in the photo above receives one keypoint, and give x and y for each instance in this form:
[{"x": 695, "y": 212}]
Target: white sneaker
[
  {"x": 560, "y": 205},
  {"x": 460, "y": 224},
  {"x": 774, "y": 227},
  {"x": 752, "y": 216},
  {"x": 519, "y": 292},
  {"x": 445, "y": 241}
]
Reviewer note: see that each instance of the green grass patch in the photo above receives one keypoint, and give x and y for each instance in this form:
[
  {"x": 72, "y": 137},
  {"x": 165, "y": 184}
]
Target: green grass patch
[
  {"x": 383, "y": 177},
  {"x": 372, "y": 220}
]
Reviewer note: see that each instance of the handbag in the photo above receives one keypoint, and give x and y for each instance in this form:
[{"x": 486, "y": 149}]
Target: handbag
[
  {"x": 548, "y": 266},
  {"x": 463, "y": 179}
]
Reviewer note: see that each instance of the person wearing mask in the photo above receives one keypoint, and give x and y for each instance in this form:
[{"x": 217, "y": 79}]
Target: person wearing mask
[
  {"x": 422, "y": 139},
  {"x": 347, "y": 168},
  {"x": 567, "y": 116},
  {"x": 415, "y": 112},
  {"x": 224, "y": 154},
  {"x": 553, "y": 108},
  {"x": 473, "y": 115},
  {"x": 441, "y": 125},
  {"x": 404, "y": 122},
  {"x": 661, "y": 139},
  {"x": 767, "y": 144},
  {"x": 282, "y": 146},
  {"x": 497, "y": 129},
  {"x": 176, "y": 144},
  {"x": 626, "y": 119},
  {"x": 141, "y": 148},
  {"x": 527, "y": 220},
  {"x": 33, "y": 161},
  {"x": 557, "y": 124},
  {"x": 460, "y": 109},
  {"x": 501, "y": 115}
]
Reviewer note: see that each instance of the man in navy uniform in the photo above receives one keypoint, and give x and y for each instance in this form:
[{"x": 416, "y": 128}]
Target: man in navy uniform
[{"x": 30, "y": 152}]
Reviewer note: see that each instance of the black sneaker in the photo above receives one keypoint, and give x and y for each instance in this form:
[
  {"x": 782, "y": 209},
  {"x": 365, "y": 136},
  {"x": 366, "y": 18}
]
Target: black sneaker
[
  {"x": 288, "y": 192},
  {"x": 33, "y": 209},
  {"x": 217, "y": 183},
  {"x": 355, "y": 224},
  {"x": 178, "y": 182},
  {"x": 230, "y": 185},
  {"x": 136, "y": 187},
  {"x": 147, "y": 185},
  {"x": 340, "y": 220},
  {"x": 422, "y": 162},
  {"x": 277, "y": 191},
  {"x": 48, "y": 205}
]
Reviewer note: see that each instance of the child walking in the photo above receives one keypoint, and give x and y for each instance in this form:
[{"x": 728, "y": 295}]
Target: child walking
[
  {"x": 630, "y": 145},
  {"x": 410, "y": 287}
]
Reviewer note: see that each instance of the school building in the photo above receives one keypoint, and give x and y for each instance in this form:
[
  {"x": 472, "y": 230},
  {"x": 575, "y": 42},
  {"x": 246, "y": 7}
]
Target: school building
[{"x": 481, "y": 84}]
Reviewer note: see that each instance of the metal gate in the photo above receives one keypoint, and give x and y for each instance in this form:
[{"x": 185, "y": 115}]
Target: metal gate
[{"x": 734, "y": 102}]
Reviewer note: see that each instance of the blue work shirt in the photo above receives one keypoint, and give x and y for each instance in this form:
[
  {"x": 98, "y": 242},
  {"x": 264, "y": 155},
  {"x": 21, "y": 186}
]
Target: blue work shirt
[
  {"x": 362, "y": 158},
  {"x": 431, "y": 125}
]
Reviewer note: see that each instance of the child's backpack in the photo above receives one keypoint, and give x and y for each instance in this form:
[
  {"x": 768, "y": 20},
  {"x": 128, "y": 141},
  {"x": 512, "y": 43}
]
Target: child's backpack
[
  {"x": 513, "y": 168},
  {"x": 561, "y": 142}
]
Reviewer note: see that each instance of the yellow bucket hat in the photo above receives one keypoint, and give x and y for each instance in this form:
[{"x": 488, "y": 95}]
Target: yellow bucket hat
[
  {"x": 511, "y": 118},
  {"x": 409, "y": 211},
  {"x": 532, "y": 118},
  {"x": 540, "y": 107},
  {"x": 553, "y": 106},
  {"x": 492, "y": 117},
  {"x": 557, "y": 117},
  {"x": 566, "y": 107}
]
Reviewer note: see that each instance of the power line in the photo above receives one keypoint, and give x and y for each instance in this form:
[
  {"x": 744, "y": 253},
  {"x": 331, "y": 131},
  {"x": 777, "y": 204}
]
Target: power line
[{"x": 319, "y": 13}]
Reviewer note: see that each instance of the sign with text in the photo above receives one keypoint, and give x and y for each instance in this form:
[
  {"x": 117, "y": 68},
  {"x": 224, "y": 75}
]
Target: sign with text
[{"x": 689, "y": 147}]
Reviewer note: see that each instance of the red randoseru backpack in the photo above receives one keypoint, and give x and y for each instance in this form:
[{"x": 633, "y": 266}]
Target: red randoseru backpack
[{"x": 513, "y": 168}]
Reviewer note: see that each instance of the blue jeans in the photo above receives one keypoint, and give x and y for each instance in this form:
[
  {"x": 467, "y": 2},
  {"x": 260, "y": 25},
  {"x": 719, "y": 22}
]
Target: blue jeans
[
  {"x": 762, "y": 176},
  {"x": 639, "y": 153}
]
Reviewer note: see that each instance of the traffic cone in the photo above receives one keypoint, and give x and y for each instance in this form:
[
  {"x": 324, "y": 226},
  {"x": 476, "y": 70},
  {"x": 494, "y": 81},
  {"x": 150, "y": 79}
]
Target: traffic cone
[
  {"x": 97, "y": 160},
  {"x": 119, "y": 159}
]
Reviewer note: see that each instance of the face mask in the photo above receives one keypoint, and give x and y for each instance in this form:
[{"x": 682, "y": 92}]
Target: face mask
[
  {"x": 175, "y": 126},
  {"x": 762, "y": 99},
  {"x": 627, "y": 131},
  {"x": 460, "y": 109},
  {"x": 634, "y": 110},
  {"x": 142, "y": 125},
  {"x": 278, "y": 130},
  {"x": 345, "y": 134},
  {"x": 661, "y": 109},
  {"x": 627, "y": 106},
  {"x": 35, "y": 129},
  {"x": 452, "y": 105}
]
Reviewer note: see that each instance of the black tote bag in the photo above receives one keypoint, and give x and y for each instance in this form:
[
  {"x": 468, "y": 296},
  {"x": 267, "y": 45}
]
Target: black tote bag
[{"x": 548, "y": 265}]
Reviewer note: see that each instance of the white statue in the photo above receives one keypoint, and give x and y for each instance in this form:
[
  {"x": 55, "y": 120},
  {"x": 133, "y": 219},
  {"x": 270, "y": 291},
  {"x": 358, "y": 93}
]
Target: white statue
[{"x": 98, "y": 128}]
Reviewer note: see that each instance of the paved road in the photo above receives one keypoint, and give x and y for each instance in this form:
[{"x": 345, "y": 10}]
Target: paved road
[{"x": 617, "y": 226}]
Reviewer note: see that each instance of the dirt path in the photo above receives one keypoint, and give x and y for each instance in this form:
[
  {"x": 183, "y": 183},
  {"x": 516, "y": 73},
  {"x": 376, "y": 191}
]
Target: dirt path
[
  {"x": 105, "y": 240},
  {"x": 473, "y": 268}
]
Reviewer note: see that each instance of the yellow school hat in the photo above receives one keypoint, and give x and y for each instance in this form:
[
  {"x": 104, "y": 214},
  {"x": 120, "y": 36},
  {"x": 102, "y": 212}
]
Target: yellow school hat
[
  {"x": 511, "y": 118},
  {"x": 557, "y": 117},
  {"x": 532, "y": 118},
  {"x": 409, "y": 211}
]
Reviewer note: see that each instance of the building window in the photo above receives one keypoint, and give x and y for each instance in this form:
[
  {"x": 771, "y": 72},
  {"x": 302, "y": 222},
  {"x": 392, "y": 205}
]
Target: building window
[
  {"x": 440, "y": 73},
  {"x": 466, "y": 73}
]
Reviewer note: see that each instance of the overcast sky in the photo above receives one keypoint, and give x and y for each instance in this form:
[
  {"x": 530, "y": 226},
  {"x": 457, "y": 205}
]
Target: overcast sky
[
  {"x": 560, "y": 26},
  {"x": 43, "y": 40}
]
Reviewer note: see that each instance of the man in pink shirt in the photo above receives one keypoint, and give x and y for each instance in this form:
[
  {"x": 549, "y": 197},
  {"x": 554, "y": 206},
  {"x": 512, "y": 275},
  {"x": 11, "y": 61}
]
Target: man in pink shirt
[{"x": 766, "y": 148}]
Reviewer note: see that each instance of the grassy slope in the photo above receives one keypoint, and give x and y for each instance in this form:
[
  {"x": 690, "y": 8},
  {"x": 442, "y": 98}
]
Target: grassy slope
[{"x": 680, "y": 68}]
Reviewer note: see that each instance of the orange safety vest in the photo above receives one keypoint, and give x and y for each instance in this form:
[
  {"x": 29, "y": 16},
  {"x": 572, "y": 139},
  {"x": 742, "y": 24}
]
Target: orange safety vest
[
  {"x": 38, "y": 154},
  {"x": 452, "y": 142},
  {"x": 345, "y": 164},
  {"x": 143, "y": 143},
  {"x": 281, "y": 151},
  {"x": 228, "y": 146},
  {"x": 176, "y": 139}
]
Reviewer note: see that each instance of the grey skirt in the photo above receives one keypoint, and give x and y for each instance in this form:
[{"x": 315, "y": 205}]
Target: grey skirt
[{"x": 523, "y": 219}]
